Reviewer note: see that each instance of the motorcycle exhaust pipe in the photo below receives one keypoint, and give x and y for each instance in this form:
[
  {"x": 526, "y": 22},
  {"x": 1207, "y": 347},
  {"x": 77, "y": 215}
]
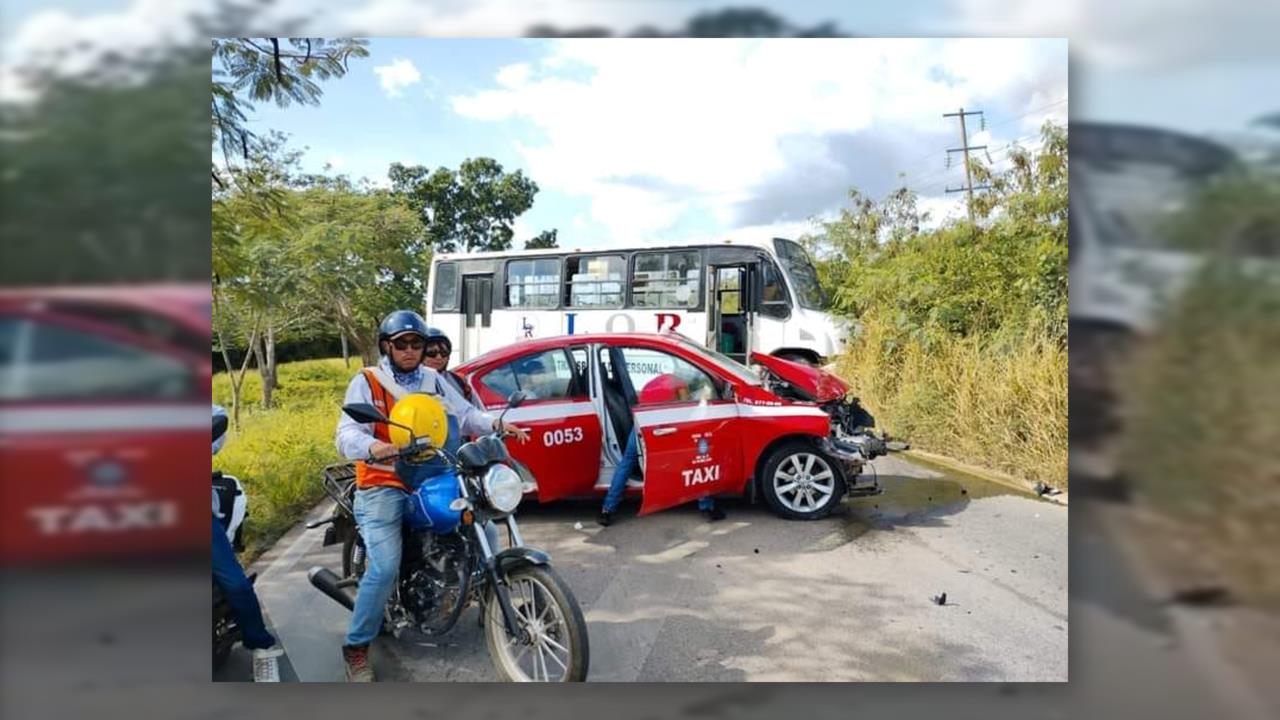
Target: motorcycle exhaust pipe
[{"x": 327, "y": 582}]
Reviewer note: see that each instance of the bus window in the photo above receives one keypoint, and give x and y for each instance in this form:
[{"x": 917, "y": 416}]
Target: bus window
[
  {"x": 533, "y": 283},
  {"x": 446, "y": 287},
  {"x": 666, "y": 280},
  {"x": 595, "y": 282},
  {"x": 773, "y": 293}
]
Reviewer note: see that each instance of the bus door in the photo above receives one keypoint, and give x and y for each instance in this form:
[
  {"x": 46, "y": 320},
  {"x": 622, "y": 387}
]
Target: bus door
[
  {"x": 477, "y": 313},
  {"x": 729, "y": 316}
]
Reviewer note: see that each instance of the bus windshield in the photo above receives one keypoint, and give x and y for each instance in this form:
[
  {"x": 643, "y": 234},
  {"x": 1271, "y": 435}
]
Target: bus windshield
[{"x": 804, "y": 278}]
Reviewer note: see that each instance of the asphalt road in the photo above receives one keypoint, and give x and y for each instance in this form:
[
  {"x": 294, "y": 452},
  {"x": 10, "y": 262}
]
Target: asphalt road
[
  {"x": 671, "y": 597},
  {"x": 117, "y": 640}
]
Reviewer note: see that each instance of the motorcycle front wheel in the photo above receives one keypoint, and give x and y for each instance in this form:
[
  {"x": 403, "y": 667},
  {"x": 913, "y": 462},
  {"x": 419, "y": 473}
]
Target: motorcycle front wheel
[{"x": 555, "y": 648}]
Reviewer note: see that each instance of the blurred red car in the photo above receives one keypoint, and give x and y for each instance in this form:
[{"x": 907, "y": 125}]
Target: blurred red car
[
  {"x": 104, "y": 421},
  {"x": 782, "y": 435}
]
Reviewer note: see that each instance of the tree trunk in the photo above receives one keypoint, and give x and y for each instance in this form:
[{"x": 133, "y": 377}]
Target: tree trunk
[
  {"x": 237, "y": 379},
  {"x": 365, "y": 345},
  {"x": 271, "y": 359},
  {"x": 346, "y": 352},
  {"x": 264, "y": 353}
]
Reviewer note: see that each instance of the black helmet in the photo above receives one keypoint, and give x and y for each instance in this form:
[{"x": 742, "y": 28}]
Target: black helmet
[
  {"x": 401, "y": 322},
  {"x": 437, "y": 335}
]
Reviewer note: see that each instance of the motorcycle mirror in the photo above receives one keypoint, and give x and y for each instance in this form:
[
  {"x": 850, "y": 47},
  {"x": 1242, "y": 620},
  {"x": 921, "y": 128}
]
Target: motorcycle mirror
[
  {"x": 364, "y": 413},
  {"x": 219, "y": 426},
  {"x": 513, "y": 401}
]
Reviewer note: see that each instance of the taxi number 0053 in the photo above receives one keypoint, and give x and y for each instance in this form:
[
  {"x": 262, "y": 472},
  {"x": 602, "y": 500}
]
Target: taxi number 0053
[{"x": 560, "y": 437}]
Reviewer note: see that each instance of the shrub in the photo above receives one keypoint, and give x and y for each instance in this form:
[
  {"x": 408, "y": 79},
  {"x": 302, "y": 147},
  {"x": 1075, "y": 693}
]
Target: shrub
[{"x": 278, "y": 454}]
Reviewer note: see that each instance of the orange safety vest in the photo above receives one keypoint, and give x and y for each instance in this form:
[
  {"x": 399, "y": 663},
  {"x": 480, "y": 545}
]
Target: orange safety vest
[{"x": 376, "y": 474}]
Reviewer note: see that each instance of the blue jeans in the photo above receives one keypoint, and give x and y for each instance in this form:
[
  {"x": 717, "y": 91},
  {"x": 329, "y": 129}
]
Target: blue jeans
[
  {"x": 238, "y": 591},
  {"x": 379, "y": 512},
  {"x": 618, "y": 485}
]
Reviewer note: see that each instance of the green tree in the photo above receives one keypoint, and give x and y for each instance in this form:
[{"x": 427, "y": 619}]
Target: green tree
[
  {"x": 542, "y": 241},
  {"x": 85, "y": 197},
  {"x": 365, "y": 254},
  {"x": 471, "y": 209},
  {"x": 284, "y": 71},
  {"x": 253, "y": 222}
]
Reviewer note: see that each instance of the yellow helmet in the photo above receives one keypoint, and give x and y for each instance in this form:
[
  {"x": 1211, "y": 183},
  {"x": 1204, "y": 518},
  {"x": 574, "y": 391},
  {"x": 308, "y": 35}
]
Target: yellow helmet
[{"x": 424, "y": 414}]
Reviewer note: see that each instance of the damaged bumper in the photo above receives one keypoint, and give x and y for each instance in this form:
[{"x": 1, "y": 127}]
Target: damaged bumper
[{"x": 853, "y": 457}]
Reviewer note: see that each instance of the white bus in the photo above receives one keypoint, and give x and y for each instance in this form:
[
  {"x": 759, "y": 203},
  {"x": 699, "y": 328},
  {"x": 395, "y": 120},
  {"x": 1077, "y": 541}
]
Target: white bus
[{"x": 737, "y": 296}]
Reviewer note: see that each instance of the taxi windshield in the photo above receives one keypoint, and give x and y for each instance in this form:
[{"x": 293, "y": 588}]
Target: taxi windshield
[{"x": 733, "y": 367}]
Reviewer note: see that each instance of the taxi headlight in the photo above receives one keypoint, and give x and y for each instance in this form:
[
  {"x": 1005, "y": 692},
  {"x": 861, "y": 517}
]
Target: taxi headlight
[{"x": 502, "y": 487}]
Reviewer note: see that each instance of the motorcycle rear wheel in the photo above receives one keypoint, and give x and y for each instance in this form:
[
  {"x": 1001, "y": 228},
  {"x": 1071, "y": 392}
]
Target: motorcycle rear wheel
[{"x": 545, "y": 607}]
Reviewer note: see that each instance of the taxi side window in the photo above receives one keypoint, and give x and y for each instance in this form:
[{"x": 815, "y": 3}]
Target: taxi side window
[
  {"x": 548, "y": 375},
  {"x": 45, "y": 361},
  {"x": 645, "y": 366}
]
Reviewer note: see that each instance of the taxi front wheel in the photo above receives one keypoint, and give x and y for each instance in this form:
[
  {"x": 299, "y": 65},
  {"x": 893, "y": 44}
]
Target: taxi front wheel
[{"x": 799, "y": 482}]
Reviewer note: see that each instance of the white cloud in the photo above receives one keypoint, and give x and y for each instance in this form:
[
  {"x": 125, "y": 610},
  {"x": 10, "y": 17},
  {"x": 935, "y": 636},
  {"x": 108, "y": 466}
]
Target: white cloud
[
  {"x": 940, "y": 208},
  {"x": 73, "y": 44},
  {"x": 514, "y": 76},
  {"x": 397, "y": 76},
  {"x": 655, "y": 131}
]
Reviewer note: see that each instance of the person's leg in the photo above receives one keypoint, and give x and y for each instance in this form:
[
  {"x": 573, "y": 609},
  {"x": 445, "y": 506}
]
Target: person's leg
[
  {"x": 708, "y": 506},
  {"x": 238, "y": 591},
  {"x": 378, "y": 512},
  {"x": 618, "y": 485}
]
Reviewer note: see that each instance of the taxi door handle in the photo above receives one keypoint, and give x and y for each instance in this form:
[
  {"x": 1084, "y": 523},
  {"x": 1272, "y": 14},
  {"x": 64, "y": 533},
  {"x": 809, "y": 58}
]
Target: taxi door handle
[{"x": 663, "y": 431}]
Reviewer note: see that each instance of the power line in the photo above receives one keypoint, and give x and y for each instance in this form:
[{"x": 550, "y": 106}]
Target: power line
[{"x": 910, "y": 167}]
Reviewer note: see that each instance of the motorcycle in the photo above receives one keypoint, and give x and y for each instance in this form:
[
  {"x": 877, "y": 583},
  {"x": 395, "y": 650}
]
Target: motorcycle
[
  {"x": 231, "y": 507},
  {"x": 533, "y": 626}
]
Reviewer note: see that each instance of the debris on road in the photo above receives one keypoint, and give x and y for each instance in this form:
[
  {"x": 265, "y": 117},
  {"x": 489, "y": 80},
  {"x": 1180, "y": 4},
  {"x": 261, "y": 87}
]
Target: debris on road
[
  {"x": 1202, "y": 596},
  {"x": 577, "y": 526},
  {"x": 939, "y": 599}
]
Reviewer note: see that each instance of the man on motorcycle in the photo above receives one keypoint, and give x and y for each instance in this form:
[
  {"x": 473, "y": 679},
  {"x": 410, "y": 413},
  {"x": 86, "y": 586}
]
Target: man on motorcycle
[
  {"x": 239, "y": 593},
  {"x": 380, "y": 496}
]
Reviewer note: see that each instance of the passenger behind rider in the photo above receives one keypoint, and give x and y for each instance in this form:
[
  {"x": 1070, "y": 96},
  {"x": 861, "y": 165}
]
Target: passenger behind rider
[
  {"x": 436, "y": 356},
  {"x": 666, "y": 388}
]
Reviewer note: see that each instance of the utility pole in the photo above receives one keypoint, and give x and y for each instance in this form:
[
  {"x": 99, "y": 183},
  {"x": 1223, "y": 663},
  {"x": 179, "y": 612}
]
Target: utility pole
[{"x": 965, "y": 147}]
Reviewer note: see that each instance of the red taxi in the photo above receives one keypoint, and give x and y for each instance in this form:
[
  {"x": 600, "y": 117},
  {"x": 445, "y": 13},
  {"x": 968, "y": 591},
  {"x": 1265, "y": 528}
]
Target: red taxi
[
  {"x": 781, "y": 434},
  {"x": 104, "y": 421}
]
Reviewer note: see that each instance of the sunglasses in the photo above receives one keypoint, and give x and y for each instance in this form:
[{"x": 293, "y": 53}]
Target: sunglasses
[
  {"x": 436, "y": 353},
  {"x": 408, "y": 343}
]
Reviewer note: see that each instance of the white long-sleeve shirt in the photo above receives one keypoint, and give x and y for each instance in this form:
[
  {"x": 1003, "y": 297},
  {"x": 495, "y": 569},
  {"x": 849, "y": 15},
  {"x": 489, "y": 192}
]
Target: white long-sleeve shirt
[{"x": 354, "y": 439}]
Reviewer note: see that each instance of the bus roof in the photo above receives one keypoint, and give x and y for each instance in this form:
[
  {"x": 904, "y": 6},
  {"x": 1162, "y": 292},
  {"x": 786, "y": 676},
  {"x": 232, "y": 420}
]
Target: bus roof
[{"x": 756, "y": 242}]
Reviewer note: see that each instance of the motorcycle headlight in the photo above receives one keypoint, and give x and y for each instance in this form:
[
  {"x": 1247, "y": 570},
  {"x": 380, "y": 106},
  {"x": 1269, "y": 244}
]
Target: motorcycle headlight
[{"x": 502, "y": 487}]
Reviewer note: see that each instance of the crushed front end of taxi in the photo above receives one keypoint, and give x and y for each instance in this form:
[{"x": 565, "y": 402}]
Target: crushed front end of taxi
[{"x": 852, "y": 441}]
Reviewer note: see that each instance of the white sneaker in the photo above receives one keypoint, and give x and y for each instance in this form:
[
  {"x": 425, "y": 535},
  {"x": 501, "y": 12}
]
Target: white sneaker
[{"x": 266, "y": 667}]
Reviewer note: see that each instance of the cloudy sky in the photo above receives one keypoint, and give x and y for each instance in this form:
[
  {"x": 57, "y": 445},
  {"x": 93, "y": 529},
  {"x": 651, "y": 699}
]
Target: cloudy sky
[
  {"x": 666, "y": 140},
  {"x": 663, "y": 140}
]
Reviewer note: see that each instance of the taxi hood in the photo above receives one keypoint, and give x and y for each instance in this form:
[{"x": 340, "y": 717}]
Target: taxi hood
[{"x": 820, "y": 385}]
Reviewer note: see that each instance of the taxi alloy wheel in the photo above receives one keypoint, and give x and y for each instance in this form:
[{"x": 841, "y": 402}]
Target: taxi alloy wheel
[{"x": 801, "y": 483}]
